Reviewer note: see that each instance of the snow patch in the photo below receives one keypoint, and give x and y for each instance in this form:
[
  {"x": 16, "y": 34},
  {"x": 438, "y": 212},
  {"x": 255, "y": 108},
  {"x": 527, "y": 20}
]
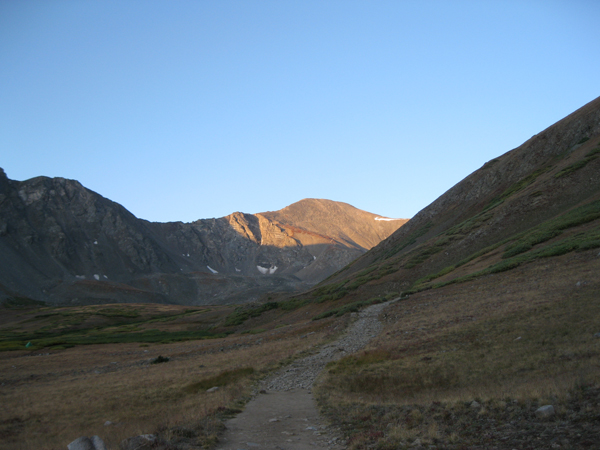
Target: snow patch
[
  {"x": 211, "y": 269},
  {"x": 80, "y": 277},
  {"x": 237, "y": 270},
  {"x": 95, "y": 242},
  {"x": 385, "y": 219},
  {"x": 314, "y": 257},
  {"x": 97, "y": 277},
  {"x": 105, "y": 276},
  {"x": 270, "y": 271}
]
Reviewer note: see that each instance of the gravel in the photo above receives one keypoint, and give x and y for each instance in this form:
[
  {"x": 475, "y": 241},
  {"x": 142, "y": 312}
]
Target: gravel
[{"x": 302, "y": 373}]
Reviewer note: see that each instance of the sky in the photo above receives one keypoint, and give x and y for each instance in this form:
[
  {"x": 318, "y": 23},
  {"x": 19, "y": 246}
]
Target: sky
[{"x": 183, "y": 110}]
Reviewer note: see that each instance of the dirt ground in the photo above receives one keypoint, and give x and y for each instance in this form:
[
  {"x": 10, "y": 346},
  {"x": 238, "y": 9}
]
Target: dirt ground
[{"x": 279, "y": 420}]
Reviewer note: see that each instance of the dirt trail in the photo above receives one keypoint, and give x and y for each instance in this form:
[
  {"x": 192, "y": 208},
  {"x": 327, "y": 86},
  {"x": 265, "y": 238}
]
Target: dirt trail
[{"x": 285, "y": 417}]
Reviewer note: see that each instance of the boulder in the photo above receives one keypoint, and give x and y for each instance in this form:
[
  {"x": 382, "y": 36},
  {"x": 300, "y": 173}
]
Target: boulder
[
  {"x": 86, "y": 443},
  {"x": 544, "y": 412},
  {"x": 82, "y": 443}
]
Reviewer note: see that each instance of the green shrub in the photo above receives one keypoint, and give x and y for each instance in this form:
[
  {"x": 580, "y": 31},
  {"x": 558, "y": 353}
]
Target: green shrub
[
  {"x": 572, "y": 168},
  {"x": 22, "y": 302},
  {"x": 350, "y": 307},
  {"x": 292, "y": 304},
  {"x": 518, "y": 186},
  {"x": 553, "y": 227},
  {"x": 70, "y": 338},
  {"x": 589, "y": 245},
  {"x": 408, "y": 241},
  {"x": 426, "y": 253},
  {"x": 160, "y": 359},
  {"x": 243, "y": 313},
  {"x": 328, "y": 289},
  {"x": 331, "y": 297},
  {"x": 470, "y": 224},
  {"x": 593, "y": 153}
]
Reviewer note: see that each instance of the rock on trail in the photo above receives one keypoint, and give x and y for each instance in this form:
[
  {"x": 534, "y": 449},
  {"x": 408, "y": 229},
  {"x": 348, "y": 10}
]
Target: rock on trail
[{"x": 285, "y": 417}]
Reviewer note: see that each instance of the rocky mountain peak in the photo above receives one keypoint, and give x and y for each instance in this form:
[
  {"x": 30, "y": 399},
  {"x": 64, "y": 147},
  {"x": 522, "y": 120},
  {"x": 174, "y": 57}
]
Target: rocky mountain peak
[{"x": 61, "y": 242}]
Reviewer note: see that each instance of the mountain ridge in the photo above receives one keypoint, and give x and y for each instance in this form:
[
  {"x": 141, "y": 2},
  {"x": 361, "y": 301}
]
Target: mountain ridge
[
  {"x": 63, "y": 242},
  {"x": 549, "y": 175}
]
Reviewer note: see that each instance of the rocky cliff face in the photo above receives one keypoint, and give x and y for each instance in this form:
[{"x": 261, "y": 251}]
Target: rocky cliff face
[{"x": 61, "y": 242}]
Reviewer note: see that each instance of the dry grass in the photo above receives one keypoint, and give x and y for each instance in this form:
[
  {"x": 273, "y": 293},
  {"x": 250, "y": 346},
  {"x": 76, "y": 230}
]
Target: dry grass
[
  {"x": 51, "y": 397},
  {"x": 514, "y": 336},
  {"x": 526, "y": 334}
]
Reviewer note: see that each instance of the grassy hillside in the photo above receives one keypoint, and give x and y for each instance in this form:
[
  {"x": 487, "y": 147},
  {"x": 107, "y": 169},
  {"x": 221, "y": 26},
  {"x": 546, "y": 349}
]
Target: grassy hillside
[
  {"x": 511, "y": 342},
  {"x": 539, "y": 200}
]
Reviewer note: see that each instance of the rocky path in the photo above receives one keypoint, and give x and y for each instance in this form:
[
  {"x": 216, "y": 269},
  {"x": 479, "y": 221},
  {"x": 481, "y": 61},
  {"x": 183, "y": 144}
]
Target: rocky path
[{"x": 284, "y": 416}]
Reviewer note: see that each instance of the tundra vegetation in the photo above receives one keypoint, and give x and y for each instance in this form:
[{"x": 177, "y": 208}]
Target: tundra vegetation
[
  {"x": 512, "y": 341},
  {"x": 518, "y": 338},
  {"x": 146, "y": 368}
]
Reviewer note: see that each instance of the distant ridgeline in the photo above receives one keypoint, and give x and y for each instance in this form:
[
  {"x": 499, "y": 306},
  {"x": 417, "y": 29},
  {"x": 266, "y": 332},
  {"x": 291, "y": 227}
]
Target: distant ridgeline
[{"x": 64, "y": 244}]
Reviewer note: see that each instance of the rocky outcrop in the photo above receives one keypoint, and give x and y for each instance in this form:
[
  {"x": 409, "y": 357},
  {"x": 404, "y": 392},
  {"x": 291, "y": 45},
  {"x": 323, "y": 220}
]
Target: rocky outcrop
[{"x": 62, "y": 243}]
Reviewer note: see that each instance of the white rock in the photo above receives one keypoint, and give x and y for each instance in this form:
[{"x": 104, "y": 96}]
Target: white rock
[
  {"x": 82, "y": 443},
  {"x": 545, "y": 411},
  {"x": 85, "y": 443}
]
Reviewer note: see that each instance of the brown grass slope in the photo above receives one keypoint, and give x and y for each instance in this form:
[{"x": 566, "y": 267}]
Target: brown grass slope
[
  {"x": 511, "y": 342},
  {"x": 499, "y": 310},
  {"x": 546, "y": 179},
  {"x": 66, "y": 371}
]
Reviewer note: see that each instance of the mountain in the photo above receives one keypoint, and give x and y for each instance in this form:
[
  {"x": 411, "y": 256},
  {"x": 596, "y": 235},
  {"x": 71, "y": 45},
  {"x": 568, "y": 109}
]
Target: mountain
[
  {"x": 539, "y": 200},
  {"x": 61, "y": 242}
]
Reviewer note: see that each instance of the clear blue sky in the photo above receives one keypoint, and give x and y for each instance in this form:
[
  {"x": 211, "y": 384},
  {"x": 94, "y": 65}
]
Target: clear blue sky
[{"x": 181, "y": 110}]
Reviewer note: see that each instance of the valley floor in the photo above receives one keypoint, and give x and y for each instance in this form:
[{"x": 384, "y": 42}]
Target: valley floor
[{"x": 461, "y": 367}]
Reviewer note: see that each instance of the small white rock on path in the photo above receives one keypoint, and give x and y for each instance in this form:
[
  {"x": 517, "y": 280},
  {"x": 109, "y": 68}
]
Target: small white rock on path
[{"x": 285, "y": 417}]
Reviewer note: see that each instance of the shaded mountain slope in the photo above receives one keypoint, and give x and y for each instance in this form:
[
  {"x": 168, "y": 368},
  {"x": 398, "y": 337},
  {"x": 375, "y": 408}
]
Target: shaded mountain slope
[
  {"x": 62, "y": 242},
  {"x": 544, "y": 194}
]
